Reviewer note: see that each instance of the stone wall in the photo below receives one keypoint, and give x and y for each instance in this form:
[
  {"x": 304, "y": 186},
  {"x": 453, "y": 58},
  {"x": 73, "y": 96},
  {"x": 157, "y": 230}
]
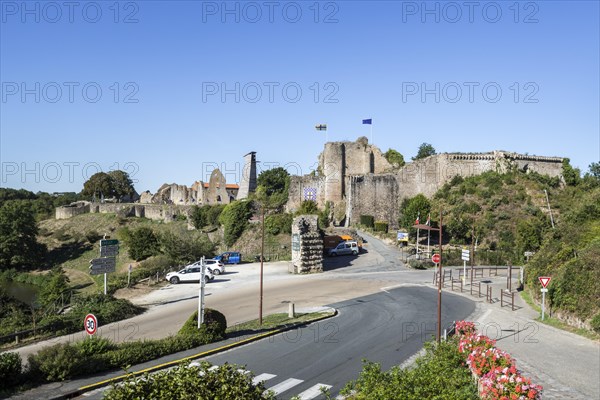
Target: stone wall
[
  {"x": 356, "y": 177},
  {"x": 307, "y": 245},
  {"x": 375, "y": 195},
  {"x": 77, "y": 208},
  {"x": 302, "y": 187}
]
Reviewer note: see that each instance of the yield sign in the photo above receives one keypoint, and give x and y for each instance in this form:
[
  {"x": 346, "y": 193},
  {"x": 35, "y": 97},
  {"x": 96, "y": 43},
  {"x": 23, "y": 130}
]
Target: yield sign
[{"x": 545, "y": 280}]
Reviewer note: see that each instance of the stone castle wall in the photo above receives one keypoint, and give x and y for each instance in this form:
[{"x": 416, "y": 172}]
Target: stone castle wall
[
  {"x": 72, "y": 210},
  {"x": 156, "y": 212},
  {"x": 357, "y": 177}
]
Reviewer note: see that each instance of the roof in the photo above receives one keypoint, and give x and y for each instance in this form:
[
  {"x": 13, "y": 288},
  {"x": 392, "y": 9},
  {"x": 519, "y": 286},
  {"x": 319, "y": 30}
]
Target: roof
[
  {"x": 227, "y": 186},
  {"x": 425, "y": 227}
]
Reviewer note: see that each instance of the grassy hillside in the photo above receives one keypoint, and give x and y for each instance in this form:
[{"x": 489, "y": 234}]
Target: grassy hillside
[
  {"x": 73, "y": 242},
  {"x": 507, "y": 214}
]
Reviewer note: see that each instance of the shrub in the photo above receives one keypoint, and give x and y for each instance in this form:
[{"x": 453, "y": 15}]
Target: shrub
[
  {"x": 367, "y": 220},
  {"x": 595, "y": 323},
  {"x": 211, "y": 330},
  {"x": 381, "y": 226},
  {"x": 142, "y": 243},
  {"x": 234, "y": 219},
  {"x": 191, "y": 382},
  {"x": 56, "y": 363},
  {"x": 94, "y": 345},
  {"x": 278, "y": 223},
  {"x": 10, "y": 368},
  {"x": 439, "y": 374}
]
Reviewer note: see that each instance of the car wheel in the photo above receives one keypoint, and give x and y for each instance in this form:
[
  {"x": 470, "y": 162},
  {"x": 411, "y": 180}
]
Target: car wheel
[
  {"x": 174, "y": 280},
  {"x": 216, "y": 272},
  {"x": 355, "y": 253},
  {"x": 333, "y": 254}
]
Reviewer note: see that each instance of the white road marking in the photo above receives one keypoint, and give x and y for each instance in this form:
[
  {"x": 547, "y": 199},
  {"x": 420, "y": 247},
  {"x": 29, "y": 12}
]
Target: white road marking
[
  {"x": 262, "y": 378},
  {"x": 285, "y": 385},
  {"x": 313, "y": 392}
]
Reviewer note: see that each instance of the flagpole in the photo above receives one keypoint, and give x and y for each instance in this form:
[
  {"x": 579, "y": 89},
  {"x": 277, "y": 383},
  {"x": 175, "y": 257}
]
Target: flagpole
[
  {"x": 371, "y": 132},
  {"x": 428, "y": 233}
]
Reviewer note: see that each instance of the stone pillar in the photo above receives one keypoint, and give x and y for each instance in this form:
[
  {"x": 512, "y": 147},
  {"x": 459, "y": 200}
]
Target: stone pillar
[
  {"x": 334, "y": 171},
  {"x": 307, "y": 245},
  {"x": 248, "y": 178}
]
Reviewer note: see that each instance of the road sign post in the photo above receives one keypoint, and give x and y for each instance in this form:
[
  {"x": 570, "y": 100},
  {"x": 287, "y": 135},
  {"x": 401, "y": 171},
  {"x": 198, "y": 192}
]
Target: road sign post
[
  {"x": 201, "y": 296},
  {"x": 90, "y": 324},
  {"x": 544, "y": 280},
  {"x": 465, "y": 257}
]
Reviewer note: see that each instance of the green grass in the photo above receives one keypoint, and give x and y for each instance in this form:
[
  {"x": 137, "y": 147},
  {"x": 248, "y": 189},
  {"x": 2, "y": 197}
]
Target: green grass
[
  {"x": 556, "y": 323},
  {"x": 275, "y": 321}
]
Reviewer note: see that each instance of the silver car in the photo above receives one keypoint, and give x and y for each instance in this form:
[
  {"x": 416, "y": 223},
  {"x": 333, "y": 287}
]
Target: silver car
[{"x": 344, "y": 248}]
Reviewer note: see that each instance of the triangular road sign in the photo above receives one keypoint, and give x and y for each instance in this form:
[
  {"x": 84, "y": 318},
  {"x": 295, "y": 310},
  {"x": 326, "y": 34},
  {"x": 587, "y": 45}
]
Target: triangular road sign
[{"x": 545, "y": 280}]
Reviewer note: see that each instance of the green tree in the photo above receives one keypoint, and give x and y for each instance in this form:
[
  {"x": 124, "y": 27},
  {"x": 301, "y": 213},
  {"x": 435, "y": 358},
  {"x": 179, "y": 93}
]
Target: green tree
[
  {"x": 121, "y": 183},
  {"x": 56, "y": 285},
  {"x": 595, "y": 170},
  {"x": 394, "y": 157},
  {"x": 234, "y": 219},
  {"x": 182, "y": 248},
  {"x": 425, "y": 150},
  {"x": 308, "y": 207},
  {"x": 142, "y": 243},
  {"x": 275, "y": 183},
  {"x": 99, "y": 184},
  {"x": 571, "y": 175},
  {"x": 413, "y": 207},
  {"x": 18, "y": 243}
]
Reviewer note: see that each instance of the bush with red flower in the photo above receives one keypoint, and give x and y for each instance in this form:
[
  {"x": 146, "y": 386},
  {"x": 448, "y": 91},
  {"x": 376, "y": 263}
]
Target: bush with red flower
[{"x": 495, "y": 369}]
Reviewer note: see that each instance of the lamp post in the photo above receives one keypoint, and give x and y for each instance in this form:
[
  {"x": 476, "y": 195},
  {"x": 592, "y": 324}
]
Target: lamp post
[
  {"x": 262, "y": 256},
  {"x": 439, "y": 322}
]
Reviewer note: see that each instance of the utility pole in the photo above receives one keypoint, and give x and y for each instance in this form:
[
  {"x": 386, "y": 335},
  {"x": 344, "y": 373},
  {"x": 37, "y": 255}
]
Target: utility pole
[
  {"x": 262, "y": 256},
  {"x": 439, "y": 321}
]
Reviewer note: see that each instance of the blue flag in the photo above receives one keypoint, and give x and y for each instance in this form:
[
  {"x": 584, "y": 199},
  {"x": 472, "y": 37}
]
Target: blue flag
[{"x": 367, "y": 121}]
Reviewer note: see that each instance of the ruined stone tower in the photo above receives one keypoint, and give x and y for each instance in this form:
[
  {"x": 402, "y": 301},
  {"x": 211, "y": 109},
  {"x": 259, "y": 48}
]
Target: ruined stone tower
[{"x": 248, "y": 179}]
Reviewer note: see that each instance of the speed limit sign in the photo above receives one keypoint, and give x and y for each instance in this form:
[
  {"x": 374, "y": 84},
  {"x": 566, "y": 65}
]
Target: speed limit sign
[{"x": 90, "y": 324}]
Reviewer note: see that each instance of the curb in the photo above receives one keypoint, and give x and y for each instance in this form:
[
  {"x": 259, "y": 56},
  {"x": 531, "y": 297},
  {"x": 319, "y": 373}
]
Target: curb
[{"x": 206, "y": 353}]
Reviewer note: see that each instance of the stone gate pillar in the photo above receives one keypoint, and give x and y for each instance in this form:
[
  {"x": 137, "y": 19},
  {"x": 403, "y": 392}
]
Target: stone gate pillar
[{"x": 307, "y": 245}]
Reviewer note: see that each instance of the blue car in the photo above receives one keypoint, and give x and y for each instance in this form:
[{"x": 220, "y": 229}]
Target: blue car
[{"x": 229, "y": 257}]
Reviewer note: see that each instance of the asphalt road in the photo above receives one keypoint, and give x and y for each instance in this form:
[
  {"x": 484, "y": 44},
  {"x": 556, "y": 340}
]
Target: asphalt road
[{"x": 386, "y": 327}]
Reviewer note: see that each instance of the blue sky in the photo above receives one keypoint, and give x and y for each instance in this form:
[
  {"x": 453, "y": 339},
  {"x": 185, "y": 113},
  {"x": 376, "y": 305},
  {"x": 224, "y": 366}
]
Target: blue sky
[{"x": 166, "y": 90}]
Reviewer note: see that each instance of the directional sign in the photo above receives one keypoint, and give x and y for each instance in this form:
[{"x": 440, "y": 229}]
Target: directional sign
[
  {"x": 101, "y": 271},
  {"x": 545, "y": 280},
  {"x": 465, "y": 255},
  {"x": 436, "y": 258},
  {"x": 108, "y": 242},
  {"x": 109, "y": 251},
  {"x": 90, "y": 323},
  {"x": 102, "y": 265}
]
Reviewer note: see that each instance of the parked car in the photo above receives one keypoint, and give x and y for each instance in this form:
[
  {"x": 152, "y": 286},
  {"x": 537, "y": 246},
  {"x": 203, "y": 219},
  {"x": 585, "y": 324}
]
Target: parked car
[
  {"x": 215, "y": 266},
  {"x": 229, "y": 257},
  {"x": 190, "y": 274},
  {"x": 345, "y": 248}
]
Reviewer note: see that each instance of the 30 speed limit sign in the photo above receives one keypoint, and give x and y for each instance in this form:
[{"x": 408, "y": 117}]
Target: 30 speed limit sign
[{"x": 90, "y": 324}]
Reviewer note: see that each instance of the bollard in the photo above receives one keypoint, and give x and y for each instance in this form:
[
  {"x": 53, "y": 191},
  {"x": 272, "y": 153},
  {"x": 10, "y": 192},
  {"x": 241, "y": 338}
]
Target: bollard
[
  {"x": 16, "y": 339},
  {"x": 291, "y": 310}
]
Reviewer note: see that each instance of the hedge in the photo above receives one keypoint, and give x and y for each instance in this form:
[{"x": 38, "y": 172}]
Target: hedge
[{"x": 367, "y": 220}]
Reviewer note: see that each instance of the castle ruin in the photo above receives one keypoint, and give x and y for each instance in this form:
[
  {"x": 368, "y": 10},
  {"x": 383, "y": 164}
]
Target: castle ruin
[{"x": 357, "y": 179}]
